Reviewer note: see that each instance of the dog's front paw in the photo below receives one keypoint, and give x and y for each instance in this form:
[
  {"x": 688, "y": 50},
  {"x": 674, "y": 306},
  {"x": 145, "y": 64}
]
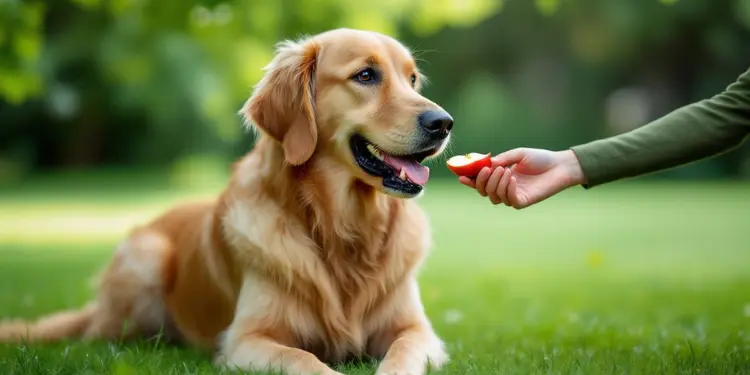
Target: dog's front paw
[
  {"x": 399, "y": 372},
  {"x": 222, "y": 362},
  {"x": 437, "y": 356},
  {"x": 432, "y": 356},
  {"x": 227, "y": 363},
  {"x": 414, "y": 366},
  {"x": 407, "y": 370}
]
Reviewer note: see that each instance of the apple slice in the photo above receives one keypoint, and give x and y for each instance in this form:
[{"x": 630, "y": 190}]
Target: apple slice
[{"x": 470, "y": 164}]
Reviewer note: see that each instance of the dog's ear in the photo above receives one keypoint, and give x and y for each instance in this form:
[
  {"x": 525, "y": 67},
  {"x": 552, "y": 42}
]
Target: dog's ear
[{"x": 282, "y": 104}]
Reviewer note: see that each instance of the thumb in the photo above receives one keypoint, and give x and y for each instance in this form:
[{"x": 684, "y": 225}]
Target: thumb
[{"x": 508, "y": 157}]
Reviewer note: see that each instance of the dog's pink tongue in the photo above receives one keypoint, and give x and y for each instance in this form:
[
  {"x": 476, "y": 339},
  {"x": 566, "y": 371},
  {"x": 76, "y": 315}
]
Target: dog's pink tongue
[{"x": 415, "y": 172}]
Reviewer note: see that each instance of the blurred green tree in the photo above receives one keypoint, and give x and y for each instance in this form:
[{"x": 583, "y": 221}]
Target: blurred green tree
[
  {"x": 95, "y": 81},
  {"x": 91, "y": 83}
]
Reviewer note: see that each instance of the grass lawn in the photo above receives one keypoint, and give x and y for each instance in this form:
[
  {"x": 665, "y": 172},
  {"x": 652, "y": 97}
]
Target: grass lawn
[{"x": 623, "y": 279}]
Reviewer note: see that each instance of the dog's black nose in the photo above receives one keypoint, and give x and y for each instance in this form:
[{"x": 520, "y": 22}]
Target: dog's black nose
[{"x": 437, "y": 124}]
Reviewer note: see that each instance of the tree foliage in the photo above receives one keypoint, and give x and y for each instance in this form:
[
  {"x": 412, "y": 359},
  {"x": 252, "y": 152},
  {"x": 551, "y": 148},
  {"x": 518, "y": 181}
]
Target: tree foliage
[
  {"x": 180, "y": 68},
  {"x": 103, "y": 82}
]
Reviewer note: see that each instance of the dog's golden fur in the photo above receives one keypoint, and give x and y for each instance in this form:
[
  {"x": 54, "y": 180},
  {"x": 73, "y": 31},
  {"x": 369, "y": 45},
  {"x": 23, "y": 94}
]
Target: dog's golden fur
[{"x": 303, "y": 259}]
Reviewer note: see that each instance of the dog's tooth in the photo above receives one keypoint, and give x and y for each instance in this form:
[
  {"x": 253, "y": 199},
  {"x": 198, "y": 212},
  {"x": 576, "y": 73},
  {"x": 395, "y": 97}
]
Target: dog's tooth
[
  {"x": 402, "y": 175},
  {"x": 376, "y": 152}
]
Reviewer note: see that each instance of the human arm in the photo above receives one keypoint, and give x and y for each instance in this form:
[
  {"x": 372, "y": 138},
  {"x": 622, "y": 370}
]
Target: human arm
[{"x": 688, "y": 134}]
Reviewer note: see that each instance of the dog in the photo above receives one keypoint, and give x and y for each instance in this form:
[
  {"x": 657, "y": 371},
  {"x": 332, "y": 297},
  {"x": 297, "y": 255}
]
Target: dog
[{"x": 309, "y": 255}]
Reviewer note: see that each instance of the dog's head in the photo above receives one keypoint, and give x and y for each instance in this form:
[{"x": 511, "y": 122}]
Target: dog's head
[{"x": 354, "y": 96}]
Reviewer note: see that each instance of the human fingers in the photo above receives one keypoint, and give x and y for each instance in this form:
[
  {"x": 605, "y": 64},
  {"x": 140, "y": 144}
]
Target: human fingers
[
  {"x": 481, "y": 181},
  {"x": 492, "y": 182},
  {"x": 508, "y": 157},
  {"x": 466, "y": 181},
  {"x": 501, "y": 190},
  {"x": 513, "y": 197}
]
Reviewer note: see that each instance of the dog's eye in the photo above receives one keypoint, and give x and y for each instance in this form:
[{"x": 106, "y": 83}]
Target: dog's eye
[
  {"x": 366, "y": 76},
  {"x": 413, "y": 79}
]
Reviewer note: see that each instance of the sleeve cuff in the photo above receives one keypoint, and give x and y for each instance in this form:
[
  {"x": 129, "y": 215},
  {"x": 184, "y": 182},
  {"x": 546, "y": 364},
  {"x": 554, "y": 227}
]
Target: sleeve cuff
[{"x": 590, "y": 157}]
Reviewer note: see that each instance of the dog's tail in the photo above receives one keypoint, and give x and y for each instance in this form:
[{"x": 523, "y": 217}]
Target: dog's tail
[{"x": 54, "y": 327}]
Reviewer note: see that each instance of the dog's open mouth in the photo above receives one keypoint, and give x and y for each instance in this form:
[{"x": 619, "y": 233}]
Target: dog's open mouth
[{"x": 402, "y": 173}]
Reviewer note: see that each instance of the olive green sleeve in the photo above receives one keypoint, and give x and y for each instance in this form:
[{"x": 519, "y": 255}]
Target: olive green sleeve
[{"x": 693, "y": 132}]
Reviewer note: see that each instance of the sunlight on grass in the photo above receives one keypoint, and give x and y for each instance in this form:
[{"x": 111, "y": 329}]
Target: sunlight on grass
[
  {"x": 645, "y": 278},
  {"x": 71, "y": 223},
  {"x": 81, "y": 211}
]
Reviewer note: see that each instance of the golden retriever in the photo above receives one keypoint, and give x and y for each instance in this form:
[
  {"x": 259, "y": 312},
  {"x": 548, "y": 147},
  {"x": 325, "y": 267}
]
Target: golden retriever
[{"x": 309, "y": 255}]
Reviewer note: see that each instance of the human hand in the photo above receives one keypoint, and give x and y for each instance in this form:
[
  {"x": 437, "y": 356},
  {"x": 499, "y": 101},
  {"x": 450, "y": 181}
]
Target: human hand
[{"x": 525, "y": 176}]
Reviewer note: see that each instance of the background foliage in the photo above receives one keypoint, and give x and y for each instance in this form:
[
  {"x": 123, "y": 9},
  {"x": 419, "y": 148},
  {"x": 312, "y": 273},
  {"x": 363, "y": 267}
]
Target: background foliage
[{"x": 144, "y": 83}]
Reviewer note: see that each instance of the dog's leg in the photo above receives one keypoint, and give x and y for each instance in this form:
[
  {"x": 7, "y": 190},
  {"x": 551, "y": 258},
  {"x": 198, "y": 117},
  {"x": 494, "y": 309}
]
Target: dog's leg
[
  {"x": 253, "y": 340},
  {"x": 259, "y": 353},
  {"x": 130, "y": 301},
  {"x": 411, "y": 343},
  {"x": 413, "y": 350}
]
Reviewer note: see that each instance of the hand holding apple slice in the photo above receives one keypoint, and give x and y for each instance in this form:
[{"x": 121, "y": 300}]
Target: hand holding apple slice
[{"x": 470, "y": 164}]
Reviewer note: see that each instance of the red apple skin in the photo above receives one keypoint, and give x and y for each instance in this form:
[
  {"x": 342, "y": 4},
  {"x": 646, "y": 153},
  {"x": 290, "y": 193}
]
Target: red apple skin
[{"x": 472, "y": 168}]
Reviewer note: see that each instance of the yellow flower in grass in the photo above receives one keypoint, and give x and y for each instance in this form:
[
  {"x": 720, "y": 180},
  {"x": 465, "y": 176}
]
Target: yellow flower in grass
[{"x": 594, "y": 258}]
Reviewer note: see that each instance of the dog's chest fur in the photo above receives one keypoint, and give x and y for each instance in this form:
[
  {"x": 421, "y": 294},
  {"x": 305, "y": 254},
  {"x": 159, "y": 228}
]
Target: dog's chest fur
[
  {"x": 334, "y": 269},
  {"x": 364, "y": 260},
  {"x": 358, "y": 288}
]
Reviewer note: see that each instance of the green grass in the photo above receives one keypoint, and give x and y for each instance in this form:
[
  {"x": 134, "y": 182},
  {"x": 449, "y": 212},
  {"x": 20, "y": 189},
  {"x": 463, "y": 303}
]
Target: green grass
[{"x": 623, "y": 279}]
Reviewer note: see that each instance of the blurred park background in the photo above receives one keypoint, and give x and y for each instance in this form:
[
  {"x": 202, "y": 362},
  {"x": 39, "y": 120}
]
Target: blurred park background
[
  {"x": 113, "y": 110},
  {"x": 99, "y": 84}
]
